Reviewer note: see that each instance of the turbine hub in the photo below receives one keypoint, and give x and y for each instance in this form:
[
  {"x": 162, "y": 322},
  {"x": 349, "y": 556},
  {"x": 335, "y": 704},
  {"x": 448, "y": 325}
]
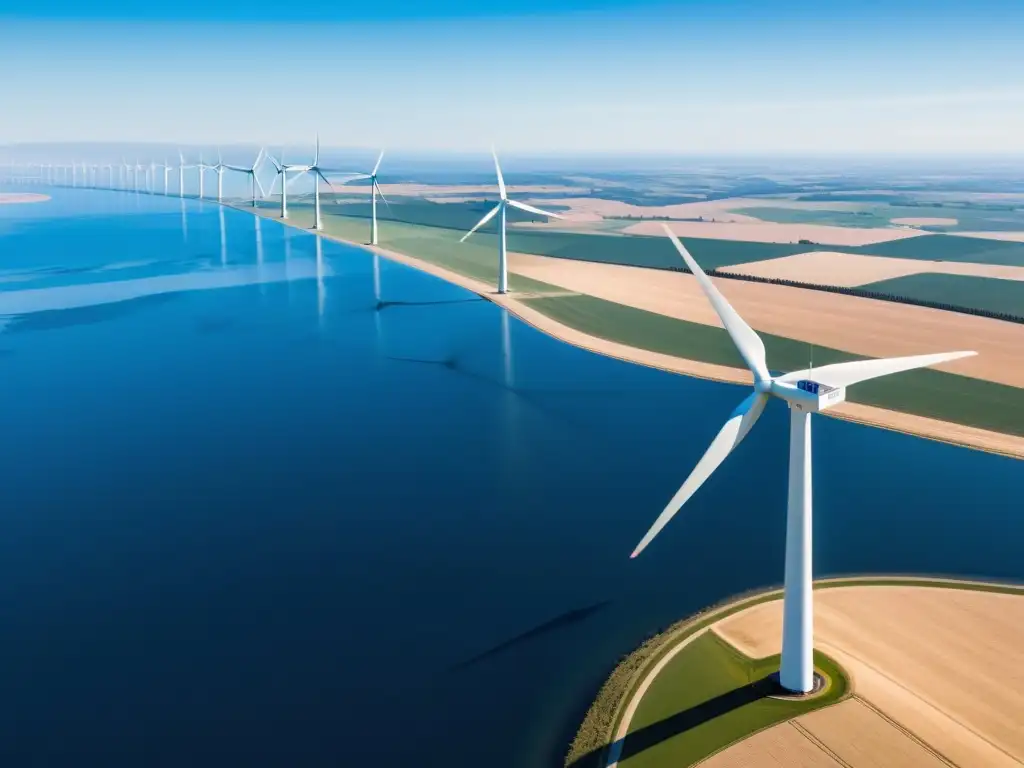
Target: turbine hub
[{"x": 762, "y": 386}]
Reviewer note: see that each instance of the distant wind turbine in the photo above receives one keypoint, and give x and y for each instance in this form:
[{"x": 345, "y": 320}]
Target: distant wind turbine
[
  {"x": 500, "y": 209},
  {"x": 202, "y": 172},
  {"x": 804, "y": 395},
  {"x": 374, "y": 191},
  {"x": 315, "y": 169},
  {"x": 254, "y": 180}
]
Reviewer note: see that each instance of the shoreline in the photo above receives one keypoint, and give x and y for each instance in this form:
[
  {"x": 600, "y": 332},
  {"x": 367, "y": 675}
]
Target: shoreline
[
  {"x": 616, "y": 701},
  {"x": 950, "y": 433}
]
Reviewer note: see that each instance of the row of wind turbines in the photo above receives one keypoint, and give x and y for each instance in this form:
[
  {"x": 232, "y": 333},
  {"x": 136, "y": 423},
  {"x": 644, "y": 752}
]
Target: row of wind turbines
[{"x": 139, "y": 177}]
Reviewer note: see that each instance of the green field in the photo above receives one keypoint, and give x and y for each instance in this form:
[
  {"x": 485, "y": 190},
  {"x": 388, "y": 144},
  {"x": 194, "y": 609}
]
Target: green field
[
  {"x": 988, "y": 293},
  {"x": 973, "y": 250},
  {"x": 708, "y": 697},
  {"x": 931, "y": 393},
  {"x": 835, "y": 218},
  {"x": 641, "y": 251},
  {"x": 858, "y": 212}
]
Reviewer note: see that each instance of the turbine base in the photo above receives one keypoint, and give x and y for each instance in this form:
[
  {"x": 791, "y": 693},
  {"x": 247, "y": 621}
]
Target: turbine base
[{"x": 817, "y": 686}]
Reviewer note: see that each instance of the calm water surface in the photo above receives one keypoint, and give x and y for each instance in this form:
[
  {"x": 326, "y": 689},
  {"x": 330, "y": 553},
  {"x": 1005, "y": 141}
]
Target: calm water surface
[{"x": 264, "y": 507}]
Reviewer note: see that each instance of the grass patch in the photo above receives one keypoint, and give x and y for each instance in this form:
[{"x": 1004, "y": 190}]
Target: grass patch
[
  {"x": 602, "y": 719},
  {"x": 849, "y": 218},
  {"x": 973, "y": 250},
  {"x": 709, "y": 696},
  {"x": 988, "y": 293},
  {"x": 935, "y": 394},
  {"x": 436, "y": 245},
  {"x": 644, "y": 251}
]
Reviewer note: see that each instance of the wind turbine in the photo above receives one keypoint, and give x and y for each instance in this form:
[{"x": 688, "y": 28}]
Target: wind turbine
[
  {"x": 374, "y": 191},
  {"x": 181, "y": 174},
  {"x": 804, "y": 395},
  {"x": 167, "y": 172},
  {"x": 282, "y": 174},
  {"x": 202, "y": 172},
  {"x": 219, "y": 168},
  {"x": 500, "y": 209},
  {"x": 254, "y": 180},
  {"x": 317, "y": 172}
]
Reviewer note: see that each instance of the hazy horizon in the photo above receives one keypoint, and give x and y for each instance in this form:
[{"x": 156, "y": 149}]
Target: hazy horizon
[{"x": 566, "y": 76}]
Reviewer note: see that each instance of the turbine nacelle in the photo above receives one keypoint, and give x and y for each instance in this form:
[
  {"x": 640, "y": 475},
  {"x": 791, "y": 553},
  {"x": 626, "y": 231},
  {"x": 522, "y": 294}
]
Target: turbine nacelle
[{"x": 808, "y": 395}]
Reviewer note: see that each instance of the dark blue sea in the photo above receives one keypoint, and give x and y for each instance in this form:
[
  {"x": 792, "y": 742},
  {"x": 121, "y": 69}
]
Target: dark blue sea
[{"x": 263, "y": 507}]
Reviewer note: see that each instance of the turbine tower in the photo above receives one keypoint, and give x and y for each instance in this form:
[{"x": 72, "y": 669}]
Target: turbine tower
[
  {"x": 202, "y": 172},
  {"x": 804, "y": 395},
  {"x": 374, "y": 191},
  {"x": 503, "y": 203},
  {"x": 254, "y": 180},
  {"x": 299, "y": 170},
  {"x": 219, "y": 168},
  {"x": 282, "y": 174},
  {"x": 181, "y": 173}
]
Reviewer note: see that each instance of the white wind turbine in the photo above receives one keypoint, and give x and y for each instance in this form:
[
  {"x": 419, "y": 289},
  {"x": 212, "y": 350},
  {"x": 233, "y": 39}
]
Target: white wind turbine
[
  {"x": 374, "y": 191},
  {"x": 282, "y": 174},
  {"x": 500, "y": 209},
  {"x": 254, "y": 180},
  {"x": 181, "y": 174},
  {"x": 804, "y": 395},
  {"x": 202, "y": 172},
  {"x": 220, "y": 168},
  {"x": 298, "y": 170}
]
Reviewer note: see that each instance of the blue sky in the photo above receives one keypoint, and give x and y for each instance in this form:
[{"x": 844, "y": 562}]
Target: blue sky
[{"x": 564, "y": 75}]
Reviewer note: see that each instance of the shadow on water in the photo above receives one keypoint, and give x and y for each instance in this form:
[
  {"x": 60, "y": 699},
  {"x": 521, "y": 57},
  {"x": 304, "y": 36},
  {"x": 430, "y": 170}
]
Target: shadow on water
[
  {"x": 382, "y": 305},
  {"x": 651, "y": 735},
  {"x": 452, "y": 362},
  {"x": 564, "y": 620},
  {"x": 51, "y": 319}
]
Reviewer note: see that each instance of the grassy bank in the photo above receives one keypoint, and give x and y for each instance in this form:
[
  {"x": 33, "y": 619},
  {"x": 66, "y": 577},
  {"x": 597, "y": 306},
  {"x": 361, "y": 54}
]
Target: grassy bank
[{"x": 602, "y": 719}]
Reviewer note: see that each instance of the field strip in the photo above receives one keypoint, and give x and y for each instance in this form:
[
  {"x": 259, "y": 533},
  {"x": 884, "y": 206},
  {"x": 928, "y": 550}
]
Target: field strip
[
  {"x": 947, "y": 716},
  {"x": 906, "y": 731},
  {"x": 795, "y": 723}
]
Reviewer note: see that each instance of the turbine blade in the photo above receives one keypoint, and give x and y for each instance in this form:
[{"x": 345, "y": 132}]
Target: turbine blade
[
  {"x": 747, "y": 342},
  {"x": 259, "y": 185},
  {"x": 845, "y": 374},
  {"x": 729, "y": 436},
  {"x": 501, "y": 179},
  {"x": 298, "y": 175},
  {"x": 487, "y": 217},
  {"x": 375, "y": 184},
  {"x": 316, "y": 155},
  {"x": 329, "y": 184},
  {"x": 531, "y": 209},
  {"x": 375, "y": 167}
]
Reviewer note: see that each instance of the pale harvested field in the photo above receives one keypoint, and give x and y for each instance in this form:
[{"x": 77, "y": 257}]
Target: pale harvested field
[
  {"x": 781, "y": 746},
  {"x": 770, "y": 232},
  {"x": 857, "y": 325},
  {"x": 924, "y": 221},
  {"x": 945, "y": 665},
  {"x": 853, "y": 269},
  {"x": 13, "y": 198},
  {"x": 466, "y": 191},
  {"x": 717, "y": 209},
  {"x": 1013, "y": 237}
]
